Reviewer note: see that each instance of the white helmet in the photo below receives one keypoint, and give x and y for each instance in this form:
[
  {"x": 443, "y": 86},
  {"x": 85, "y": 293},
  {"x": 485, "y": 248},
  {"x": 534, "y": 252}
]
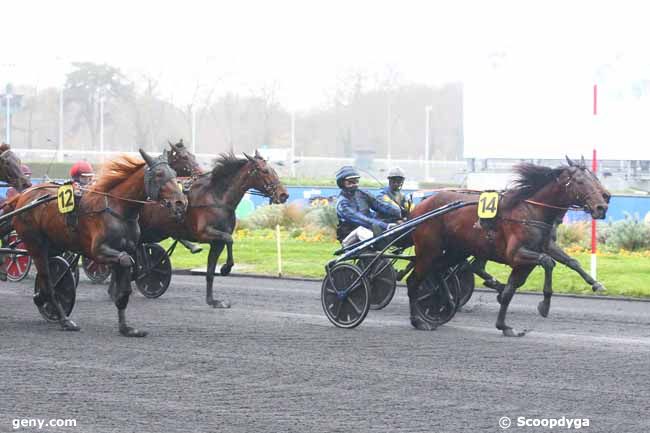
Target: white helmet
[{"x": 396, "y": 172}]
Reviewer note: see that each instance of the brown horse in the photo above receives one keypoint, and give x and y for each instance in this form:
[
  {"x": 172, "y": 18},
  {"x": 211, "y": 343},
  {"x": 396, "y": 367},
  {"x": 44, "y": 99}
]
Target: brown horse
[
  {"x": 518, "y": 236},
  {"x": 210, "y": 217},
  {"x": 10, "y": 169},
  {"x": 106, "y": 229},
  {"x": 182, "y": 160}
]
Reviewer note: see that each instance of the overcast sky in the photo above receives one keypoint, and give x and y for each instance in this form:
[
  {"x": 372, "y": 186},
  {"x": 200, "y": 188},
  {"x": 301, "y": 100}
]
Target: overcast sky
[{"x": 304, "y": 48}]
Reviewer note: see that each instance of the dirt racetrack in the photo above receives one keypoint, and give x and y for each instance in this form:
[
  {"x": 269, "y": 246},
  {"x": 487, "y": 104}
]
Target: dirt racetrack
[{"x": 273, "y": 363}]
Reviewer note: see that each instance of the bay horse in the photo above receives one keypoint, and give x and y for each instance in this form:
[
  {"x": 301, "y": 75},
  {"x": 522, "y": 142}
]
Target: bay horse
[
  {"x": 182, "y": 160},
  {"x": 553, "y": 250},
  {"x": 212, "y": 200},
  {"x": 107, "y": 229},
  {"x": 517, "y": 236},
  {"x": 10, "y": 169}
]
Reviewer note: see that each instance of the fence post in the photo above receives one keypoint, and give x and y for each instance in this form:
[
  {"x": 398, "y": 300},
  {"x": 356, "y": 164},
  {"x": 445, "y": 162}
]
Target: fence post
[{"x": 279, "y": 249}]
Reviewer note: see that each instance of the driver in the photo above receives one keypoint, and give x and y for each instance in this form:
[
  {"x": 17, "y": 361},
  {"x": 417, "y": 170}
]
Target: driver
[
  {"x": 82, "y": 173},
  {"x": 356, "y": 209},
  {"x": 393, "y": 195}
]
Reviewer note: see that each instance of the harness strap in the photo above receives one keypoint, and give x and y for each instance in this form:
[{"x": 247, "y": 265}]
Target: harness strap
[{"x": 531, "y": 223}]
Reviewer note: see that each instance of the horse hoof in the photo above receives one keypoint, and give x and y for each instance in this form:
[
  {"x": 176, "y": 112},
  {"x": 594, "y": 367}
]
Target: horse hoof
[
  {"x": 225, "y": 270},
  {"x": 39, "y": 299},
  {"x": 69, "y": 325},
  {"x": 509, "y": 332},
  {"x": 127, "y": 331},
  {"x": 598, "y": 287},
  {"x": 543, "y": 309},
  {"x": 219, "y": 304},
  {"x": 421, "y": 325},
  {"x": 126, "y": 261}
]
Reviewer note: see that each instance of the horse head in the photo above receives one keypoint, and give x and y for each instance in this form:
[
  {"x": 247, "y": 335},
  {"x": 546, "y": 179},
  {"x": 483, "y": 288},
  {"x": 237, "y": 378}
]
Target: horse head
[
  {"x": 160, "y": 185},
  {"x": 10, "y": 169},
  {"x": 585, "y": 189},
  {"x": 181, "y": 160},
  {"x": 263, "y": 178}
]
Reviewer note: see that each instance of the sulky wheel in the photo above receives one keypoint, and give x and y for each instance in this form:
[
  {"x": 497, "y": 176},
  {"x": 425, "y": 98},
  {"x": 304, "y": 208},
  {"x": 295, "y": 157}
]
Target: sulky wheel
[
  {"x": 465, "y": 278},
  {"x": 96, "y": 272},
  {"x": 17, "y": 265},
  {"x": 69, "y": 256},
  {"x": 345, "y": 310},
  {"x": 64, "y": 287},
  {"x": 382, "y": 279},
  {"x": 436, "y": 299},
  {"x": 153, "y": 271}
]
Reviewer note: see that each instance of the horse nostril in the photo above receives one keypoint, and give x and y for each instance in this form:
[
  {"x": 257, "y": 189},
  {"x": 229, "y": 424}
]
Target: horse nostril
[{"x": 284, "y": 197}]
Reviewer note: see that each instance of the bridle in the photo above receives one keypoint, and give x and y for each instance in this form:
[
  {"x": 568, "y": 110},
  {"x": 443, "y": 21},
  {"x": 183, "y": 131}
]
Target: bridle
[{"x": 269, "y": 188}]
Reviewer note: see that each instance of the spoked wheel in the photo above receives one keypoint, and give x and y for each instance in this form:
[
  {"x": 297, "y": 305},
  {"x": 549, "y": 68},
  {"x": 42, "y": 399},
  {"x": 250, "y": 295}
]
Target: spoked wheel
[
  {"x": 465, "y": 278},
  {"x": 69, "y": 256},
  {"x": 64, "y": 286},
  {"x": 436, "y": 299},
  {"x": 345, "y": 310},
  {"x": 382, "y": 279},
  {"x": 153, "y": 271},
  {"x": 96, "y": 272},
  {"x": 17, "y": 265}
]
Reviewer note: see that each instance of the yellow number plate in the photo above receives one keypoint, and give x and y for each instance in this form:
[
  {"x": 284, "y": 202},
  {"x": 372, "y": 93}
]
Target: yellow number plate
[
  {"x": 488, "y": 205},
  {"x": 180, "y": 186},
  {"x": 65, "y": 198}
]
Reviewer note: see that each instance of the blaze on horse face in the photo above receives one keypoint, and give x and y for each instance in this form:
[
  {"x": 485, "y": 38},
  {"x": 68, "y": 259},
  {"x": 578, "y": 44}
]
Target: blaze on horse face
[
  {"x": 586, "y": 189},
  {"x": 182, "y": 160},
  {"x": 266, "y": 180},
  {"x": 161, "y": 185},
  {"x": 10, "y": 169}
]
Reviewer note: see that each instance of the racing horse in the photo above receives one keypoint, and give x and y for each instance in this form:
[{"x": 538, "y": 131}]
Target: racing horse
[
  {"x": 10, "y": 169},
  {"x": 553, "y": 250},
  {"x": 212, "y": 200},
  {"x": 106, "y": 230},
  {"x": 517, "y": 236},
  {"x": 182, "y": 160}
]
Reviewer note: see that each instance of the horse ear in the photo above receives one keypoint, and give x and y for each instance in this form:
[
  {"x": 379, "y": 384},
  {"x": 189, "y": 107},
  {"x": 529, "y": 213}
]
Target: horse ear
[
  {"x": 257, "y": 154},
  {"x": 571, "y": 163},
  {"x": 582, "y": 161},
  {"x": 147, "y": 158}
]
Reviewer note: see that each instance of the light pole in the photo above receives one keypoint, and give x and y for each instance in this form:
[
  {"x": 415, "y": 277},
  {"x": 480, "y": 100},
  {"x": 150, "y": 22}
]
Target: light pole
[
  {"x": 8, "y": 97},
  {"x": 59, "y": 150},
  {"x": 427, "y": 111},
  {"x": 293, "y": 143},
  {"x": 193, "y": 129},
  {"x": 101, "y": 124}
]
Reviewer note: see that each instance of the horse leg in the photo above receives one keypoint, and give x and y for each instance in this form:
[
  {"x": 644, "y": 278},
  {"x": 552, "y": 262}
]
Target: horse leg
[
  {"x": 559, "y": 255},
  {"x": 478, "y": 267},
  {"x": 230, "y": 262},
  {"x": 215, "y": 251},
  {"x": 46, "y": 292},
  {"x": 121, "y": 290},
  {"x": 545, "y": 305},
  {"x": 516, "y": 279}
]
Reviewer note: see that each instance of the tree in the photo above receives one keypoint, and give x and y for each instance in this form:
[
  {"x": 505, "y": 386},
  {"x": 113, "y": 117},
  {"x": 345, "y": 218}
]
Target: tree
[{"x": 84, "y": 87}]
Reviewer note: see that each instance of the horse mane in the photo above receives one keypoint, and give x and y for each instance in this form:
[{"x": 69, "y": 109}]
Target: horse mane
[
  {"x": 115, "y": 171},
  {"x": 530, "y": 179},
  {"x": 226, "y": 165},
  {"x": 4, "y": 146}
]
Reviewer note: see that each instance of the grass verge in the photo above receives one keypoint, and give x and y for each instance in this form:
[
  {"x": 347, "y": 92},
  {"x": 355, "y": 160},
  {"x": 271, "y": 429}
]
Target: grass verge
[{"x": 624, "y": 274}]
